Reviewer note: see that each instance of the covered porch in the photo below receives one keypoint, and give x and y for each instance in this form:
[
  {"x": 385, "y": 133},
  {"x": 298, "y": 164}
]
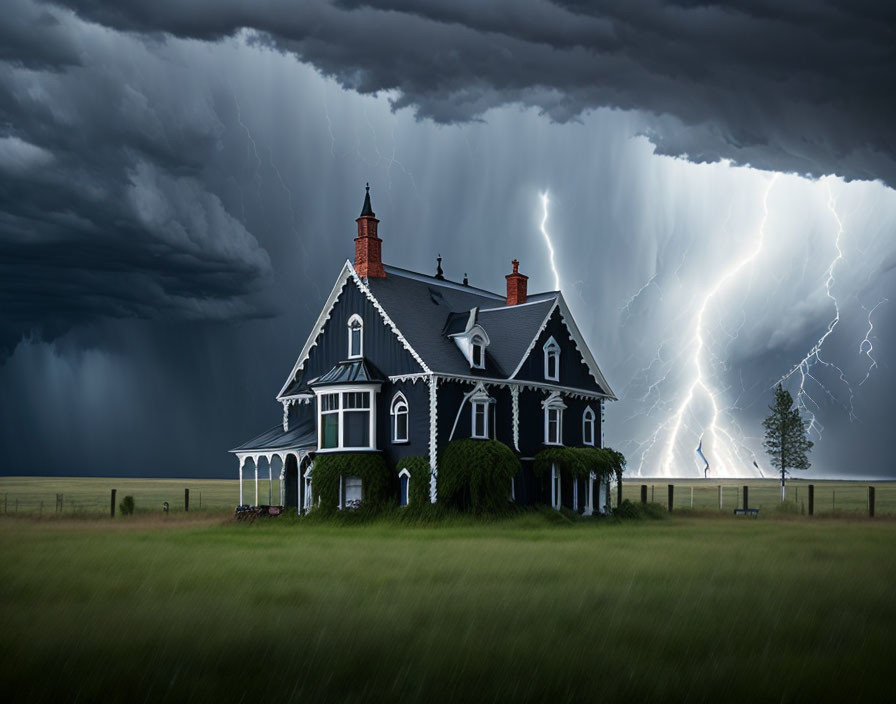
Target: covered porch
[{"x": 284, "y": 454}]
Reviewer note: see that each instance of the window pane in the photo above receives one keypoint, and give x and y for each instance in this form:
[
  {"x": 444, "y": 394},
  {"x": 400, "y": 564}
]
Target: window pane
[
  {"x": 355, "y": 350},
  {"x": 403, "y": 483},
  {"x": 329, "y": 402},
  {"x": 356, "y": 399},
  {"x": 357, "y": 429},
  {"x": 401, "y": 426},
  {"x": 352, "y": 489},
  {"x": 330, "y": 435},
  {"x": 479, "y": 419}
]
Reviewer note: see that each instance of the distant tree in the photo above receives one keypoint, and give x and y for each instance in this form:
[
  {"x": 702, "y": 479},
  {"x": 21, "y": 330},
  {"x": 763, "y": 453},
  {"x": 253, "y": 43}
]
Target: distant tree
[{"x": 785, "y": 436}]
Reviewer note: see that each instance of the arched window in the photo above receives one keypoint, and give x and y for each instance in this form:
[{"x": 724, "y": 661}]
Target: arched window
[
  {"x": 478, "y": 343},
  {"x": 404, "y": 483},
  {"x": 551, "y": 360},
  {"x": 399, "y": 412},
  {"x": 355, "y": 336},
  {"x": 588, "y": 427},
  {"x": 553, "y": 419}
]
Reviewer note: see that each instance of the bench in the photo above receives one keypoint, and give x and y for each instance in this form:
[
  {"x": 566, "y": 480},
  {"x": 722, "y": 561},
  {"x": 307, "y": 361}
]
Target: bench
[{"x": 754, "y": 512}]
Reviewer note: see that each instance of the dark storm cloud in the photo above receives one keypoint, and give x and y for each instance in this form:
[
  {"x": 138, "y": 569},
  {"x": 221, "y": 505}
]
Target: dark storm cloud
[
  {"x": 793, "y": 86},
  {"x": 102, "y": 208}
]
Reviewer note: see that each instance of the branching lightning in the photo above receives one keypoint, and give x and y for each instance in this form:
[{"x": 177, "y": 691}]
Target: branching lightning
[
  {"x": 547, "y": 238},
  {"x": 805, "y": 367},
  {"x": 866, "y": 347}
]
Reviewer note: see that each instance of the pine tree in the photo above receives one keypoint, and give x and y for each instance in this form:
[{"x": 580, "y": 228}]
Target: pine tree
[{"x": 785, "y": 436}]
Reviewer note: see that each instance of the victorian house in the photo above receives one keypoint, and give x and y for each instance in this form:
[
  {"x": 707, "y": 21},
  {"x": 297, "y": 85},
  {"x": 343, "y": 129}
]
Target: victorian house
[{"x": 402, "y": 363}]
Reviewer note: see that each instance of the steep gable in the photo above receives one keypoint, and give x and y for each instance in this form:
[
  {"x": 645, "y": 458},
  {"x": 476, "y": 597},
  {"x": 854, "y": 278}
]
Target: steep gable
[{"x": 578, "y": 368}]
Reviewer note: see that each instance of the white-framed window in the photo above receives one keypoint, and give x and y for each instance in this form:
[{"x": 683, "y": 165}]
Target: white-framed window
[
  {"x": 399, "y": 412},
  {"x": 345, "y": 418},
  {"x": 555, "y": 486},
  {"x": 588, "y": 427},
  {"x": 404, "y": 485},
  {"x": 355, "y": 337},
  {"x": 553, "y": 419},
  {"x": 551, "y": 360},
  {"x": 480, "y": 419},
  {"x": 352, "y": 489},
  {"x": 478, "y": 354}
]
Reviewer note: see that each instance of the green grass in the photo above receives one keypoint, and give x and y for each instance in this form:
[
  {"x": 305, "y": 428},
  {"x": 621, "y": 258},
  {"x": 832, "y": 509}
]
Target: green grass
[{"x": 522, "y": 609}]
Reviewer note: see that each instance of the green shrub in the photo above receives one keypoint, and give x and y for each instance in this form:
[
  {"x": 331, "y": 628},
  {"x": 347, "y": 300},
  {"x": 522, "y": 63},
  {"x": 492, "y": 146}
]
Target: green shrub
[
  {"x": 637, "y": 511},
  {"x": 788, "y": 507},
  {"x": 579, "y": 461},
  {"x": 476, "y": 474},
  {"x": 418, "y": 487},
  {"x": 126, "y": 506},
  {"x": 378, "y": 485}
]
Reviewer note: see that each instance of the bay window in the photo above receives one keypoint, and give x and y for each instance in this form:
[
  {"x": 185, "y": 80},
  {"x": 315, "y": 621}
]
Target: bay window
[{"x": 346, "y": 419}]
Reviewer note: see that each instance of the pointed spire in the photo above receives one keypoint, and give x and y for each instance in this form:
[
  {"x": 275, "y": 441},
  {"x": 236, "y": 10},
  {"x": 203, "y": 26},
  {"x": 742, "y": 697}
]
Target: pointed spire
[
  {"x": 367, "y": 210},
  {"x": 466, "y": 280},
  {"x": 439, "y": 273}
]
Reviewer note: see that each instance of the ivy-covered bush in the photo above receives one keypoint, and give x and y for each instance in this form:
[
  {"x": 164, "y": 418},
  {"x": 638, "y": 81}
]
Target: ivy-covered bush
[
  {"x": 418, "y": 487},
  {"x": 579, "y": 461},
  {"x": 476, "y": 474},
  {"x": 378, "y": 485}
]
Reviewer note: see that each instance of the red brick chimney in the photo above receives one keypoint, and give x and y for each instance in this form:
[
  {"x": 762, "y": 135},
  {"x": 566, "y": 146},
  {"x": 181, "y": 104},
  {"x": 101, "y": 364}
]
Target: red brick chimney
[
  {"x": 516, "y": 285},
  {"x": 368, "y": 247}
]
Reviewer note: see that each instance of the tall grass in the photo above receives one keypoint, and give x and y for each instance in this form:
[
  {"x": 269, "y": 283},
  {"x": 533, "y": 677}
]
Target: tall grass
[{"x": 513, "y": 610}]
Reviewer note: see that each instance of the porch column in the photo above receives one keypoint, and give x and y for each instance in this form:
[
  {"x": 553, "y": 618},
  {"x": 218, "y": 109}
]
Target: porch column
[
  {"x": 270, "y": 484},
  {"x": 242, "y": 462},
  {"x": 256, "y": 481}
]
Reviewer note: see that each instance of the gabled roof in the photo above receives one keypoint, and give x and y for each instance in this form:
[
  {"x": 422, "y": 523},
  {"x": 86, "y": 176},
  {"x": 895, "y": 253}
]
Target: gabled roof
[
  {"x": 354, "y": 371},
  {"x": 423, "y": 310}
]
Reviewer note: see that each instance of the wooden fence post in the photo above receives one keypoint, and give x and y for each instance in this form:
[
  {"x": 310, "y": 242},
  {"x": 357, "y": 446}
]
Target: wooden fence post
[
  {"x": 692, "y": 497},
  {"x": 186, "y": 500},
  {"x": 871, "y": 501},
  {"x": 811, "y": 499},
  {"x": 671, "y": 492},
  {"x": 720, "y": 497},
  {"x": 618, "y": 490},
  {"x": 746, "y": 497},
  {"x": 643, "y": 493},
  {"x": 112, "y": 505},
  {"x": 652, "y": 497}
]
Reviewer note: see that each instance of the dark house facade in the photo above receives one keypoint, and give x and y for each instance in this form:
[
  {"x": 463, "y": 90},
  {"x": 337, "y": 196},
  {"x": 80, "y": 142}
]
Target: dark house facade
[{"x": 402, "y": 363}]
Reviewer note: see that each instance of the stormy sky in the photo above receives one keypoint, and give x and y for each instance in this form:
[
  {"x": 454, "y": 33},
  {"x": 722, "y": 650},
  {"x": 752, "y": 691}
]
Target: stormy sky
[{"x": 179, "y": 182}]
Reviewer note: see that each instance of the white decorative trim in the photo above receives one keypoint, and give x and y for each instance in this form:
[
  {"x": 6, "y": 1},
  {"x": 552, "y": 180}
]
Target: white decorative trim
[
  {"x": 433, "y": 439},
  {"x": 577, "y": 339},
  {"x": 554, "y": 402},
  {"x": 515, "y": 406},
  {"x": 371, "y": 390},
  {"x": 404, "y": 473},
  {"x": 385, "y": 316},
  {"x": 523, "y": 385},
  {"x": 321, "y": 323}
]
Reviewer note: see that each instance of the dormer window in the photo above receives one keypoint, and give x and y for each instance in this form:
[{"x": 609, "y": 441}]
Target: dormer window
[
  {"x": 553, "y": 419},
  {"x": 588, "y": 427},
  {"x": 355, "y": 337},
  {"x": 478, "y": 360},
  {"x": 551, "y": 360}
]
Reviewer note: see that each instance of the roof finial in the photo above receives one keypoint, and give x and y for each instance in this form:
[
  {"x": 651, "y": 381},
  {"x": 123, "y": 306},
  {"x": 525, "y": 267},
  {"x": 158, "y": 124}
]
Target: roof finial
[
  {"x": 466, "y": 280},
  {"x": 516, "y": 266},
  {"x": 367, "y": 210},
  {"x": 439, "y": 273}
]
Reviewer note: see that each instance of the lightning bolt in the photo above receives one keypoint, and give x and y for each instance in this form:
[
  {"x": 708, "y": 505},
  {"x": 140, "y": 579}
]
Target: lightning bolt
[
  {"x": 250, "y": 143},
  {"x": 545, "y": 201},
  {"x": 805, "y": 367},
  {"x": 724, "y": 443},
  {"x": 865, "y": 346}
]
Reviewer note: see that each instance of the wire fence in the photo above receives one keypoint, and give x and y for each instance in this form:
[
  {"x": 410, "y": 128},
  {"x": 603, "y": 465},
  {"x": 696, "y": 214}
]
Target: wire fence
[
  {"x": 829, "y": 497},
  {"x": 90, "y": 497}
]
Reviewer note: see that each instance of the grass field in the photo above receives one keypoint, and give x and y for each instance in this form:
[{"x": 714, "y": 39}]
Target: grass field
[
  {"x": 89, "y": 496},
  {"x": 198, "y": 608}
]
